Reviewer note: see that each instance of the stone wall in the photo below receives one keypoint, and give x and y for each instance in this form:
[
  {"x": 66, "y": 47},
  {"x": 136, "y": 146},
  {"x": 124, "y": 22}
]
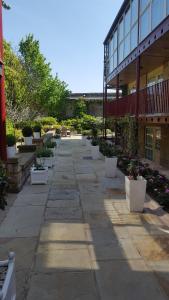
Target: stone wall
[{"x": 94, "y": 108}]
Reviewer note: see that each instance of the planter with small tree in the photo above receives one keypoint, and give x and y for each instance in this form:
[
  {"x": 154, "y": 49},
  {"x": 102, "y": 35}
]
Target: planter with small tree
[
  {"x": 110, "y": 161},
  {"x": 45, "y": 157},
  {"x": 37, "y": 131},
  {"x": 39, "y": 174},
  {"x": 27, "y": 133},
  {"x": 11, "y": 145},
  {"x": 51, "y": 146},
  {"x": 135, "y": 186}
]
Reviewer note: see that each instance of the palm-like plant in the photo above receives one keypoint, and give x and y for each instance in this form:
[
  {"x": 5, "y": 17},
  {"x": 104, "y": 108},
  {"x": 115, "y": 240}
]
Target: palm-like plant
[{"x": 6, "y": 6}]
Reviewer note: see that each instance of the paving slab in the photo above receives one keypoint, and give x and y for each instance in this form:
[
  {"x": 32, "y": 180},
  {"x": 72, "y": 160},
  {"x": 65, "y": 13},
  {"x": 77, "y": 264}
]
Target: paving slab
[
  {"x": 34, "y": 189},
  {"x": 63, "y": 213},
  {"x": 28, "y": 200},
  {"x": 63, "y": 194},
  {"x": 52, "y": 259},
  {"x": 63, "y": 286},
  {"x": 21, "y": 222},
  {"x": 129, "y": 280},
  {"x": 63, "y": 203}
]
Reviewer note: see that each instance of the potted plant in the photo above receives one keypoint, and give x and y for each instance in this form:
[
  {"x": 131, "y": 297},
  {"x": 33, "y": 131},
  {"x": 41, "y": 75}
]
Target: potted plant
[
  {"x": 7, "y": 278},
  {"x": 110, "y": 161},
  {"x": 3, "y": 186},
  {"x": 52, "y": 146},
  {"x": 27, "y": 133},
  {"x": 11, "y": 148},
  {"x": 135, "y": 186},
  {"x": 37, "y": 131},
  {"x": 95, "y": 149},
  {"x": 45, "y": 157},
  {"x": 39, "y": 174}
]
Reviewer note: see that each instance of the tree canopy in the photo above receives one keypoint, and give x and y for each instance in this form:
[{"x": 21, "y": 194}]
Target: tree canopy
[{"x": 30, "y": 85}]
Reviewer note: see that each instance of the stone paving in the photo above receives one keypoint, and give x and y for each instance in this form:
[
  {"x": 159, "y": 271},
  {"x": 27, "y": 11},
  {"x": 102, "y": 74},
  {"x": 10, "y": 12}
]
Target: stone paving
[{"x": 76, "y": 240}]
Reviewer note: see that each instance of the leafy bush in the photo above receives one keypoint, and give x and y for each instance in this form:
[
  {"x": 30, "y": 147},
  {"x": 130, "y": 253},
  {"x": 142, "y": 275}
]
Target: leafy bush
[
  {"x": 44, "y": 152},
  {"x": 37, "y": 128},
  {"x": 3, "y": 186},
  {"x": 27, "y": 131},
  {"x": 9, "y": 127},
  {"x": 95, "y": 142},
  {"x": 18, "y": 134},
  {"x": 10, "y": 140},
  {"x": 50, "y": 144},
  {"x": 47, "y": 121}
]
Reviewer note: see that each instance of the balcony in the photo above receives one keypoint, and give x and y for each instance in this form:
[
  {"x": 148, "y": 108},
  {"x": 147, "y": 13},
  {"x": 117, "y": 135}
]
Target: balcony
[{"x": 153, "y": 100}]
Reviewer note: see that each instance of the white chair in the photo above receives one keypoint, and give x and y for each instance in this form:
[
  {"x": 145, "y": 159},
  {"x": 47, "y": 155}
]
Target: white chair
[{"x": 8, "y": 291}]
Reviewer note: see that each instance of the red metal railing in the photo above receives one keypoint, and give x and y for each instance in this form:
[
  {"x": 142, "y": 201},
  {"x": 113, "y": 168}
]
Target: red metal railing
[{"x": 153, "y": 100}]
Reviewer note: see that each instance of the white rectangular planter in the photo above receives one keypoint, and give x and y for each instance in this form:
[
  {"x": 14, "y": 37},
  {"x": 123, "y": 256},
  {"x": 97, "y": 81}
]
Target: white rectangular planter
[
  {"x": 39, "y": 176},
  {"x": 95, "y": 152},
  {"x": 46, "y": 161},
  {"x": 111, "y": 167},
  {"x": 8, "y": 291},
  {"x": 28, "y": 140},
  {"x": 11, "y": 151},
  {"x": 83, "y": 141},
  {"x": 135, "y": 193},
  {"x": 36, "y": 135}
]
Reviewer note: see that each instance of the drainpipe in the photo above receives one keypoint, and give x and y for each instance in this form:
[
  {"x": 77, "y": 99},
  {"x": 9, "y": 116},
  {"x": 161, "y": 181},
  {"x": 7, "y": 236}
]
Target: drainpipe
[{"x": 3, "y": 153}]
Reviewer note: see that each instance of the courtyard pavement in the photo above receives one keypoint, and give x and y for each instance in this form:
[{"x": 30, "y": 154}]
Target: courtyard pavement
[{"x": 75, "y": 239}]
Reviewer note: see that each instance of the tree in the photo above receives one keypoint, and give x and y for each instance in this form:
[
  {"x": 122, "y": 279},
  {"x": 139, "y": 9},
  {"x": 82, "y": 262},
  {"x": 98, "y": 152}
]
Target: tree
[{"x": 80, "y": 108}]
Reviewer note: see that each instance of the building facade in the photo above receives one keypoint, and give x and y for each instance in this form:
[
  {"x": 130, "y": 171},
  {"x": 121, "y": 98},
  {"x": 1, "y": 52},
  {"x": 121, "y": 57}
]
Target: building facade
[
  {"x": 136, "y": 63},
  {"x": 94, "y": 103}
]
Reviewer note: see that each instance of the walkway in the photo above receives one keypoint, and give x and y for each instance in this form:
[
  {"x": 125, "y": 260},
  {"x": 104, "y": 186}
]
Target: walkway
[{"x": 76, "y": 240}]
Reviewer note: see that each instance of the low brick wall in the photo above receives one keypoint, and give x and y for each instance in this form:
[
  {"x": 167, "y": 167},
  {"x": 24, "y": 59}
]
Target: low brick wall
[{"x": 18, "y": 170}]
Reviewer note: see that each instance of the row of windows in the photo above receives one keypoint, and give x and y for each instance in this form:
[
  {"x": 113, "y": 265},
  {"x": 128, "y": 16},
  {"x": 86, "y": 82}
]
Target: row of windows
[{"x": 125, "y": 36}]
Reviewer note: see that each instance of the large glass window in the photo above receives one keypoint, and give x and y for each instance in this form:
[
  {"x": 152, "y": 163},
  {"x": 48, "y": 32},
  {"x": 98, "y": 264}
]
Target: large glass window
[
  {"x": 127, "y": 21},
  {"x": 127, "y": 45},
  {"x": 111, "y": 65},
  {"x": 115, "y": 40},
  {"x": 167, "y": 7},
  {"x": 158, "y": 12},
  {"x": 115, "y": 59},
  {"x": 134, "y": 11},
  {"x": 145, "y": 24},
  {"x": 121, "y": 52},
  {"x": 121, "y": 31},
  {"x": 134, "y": 37},
  {"x": 143, "y": 4}
]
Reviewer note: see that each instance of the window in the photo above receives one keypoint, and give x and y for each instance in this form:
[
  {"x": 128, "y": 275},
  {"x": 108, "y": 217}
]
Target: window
[
  {"x": 158, "y": 12},
  {"x": 121, "y": 31},
  {"x": 145, "y": 24},
  {"x": 149, "y": 143},
  {"x": 115, "y": 40},
  {"x": 111, "y": 65},
  {"x": 111, "y": 47},
  {"x": 134, "y": 37},
  {"x": 115, "y": 59},
  {"x": 127, "y": 45},
  {"x": 143, "y": 4},
  {"x": 127, "y": 21},
  {"x": 134, "y": 11},
  {"x": 167, "y": 7},
  {"x": 121, "y": 52}
]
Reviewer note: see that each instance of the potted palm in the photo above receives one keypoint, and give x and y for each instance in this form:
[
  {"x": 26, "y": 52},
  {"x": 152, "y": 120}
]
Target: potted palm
[
  {"x": 11, "y": 145},
  {"x": 37, "y": 131},
  {"x": 135, "y": 186},
  {"x": 27, "y": 133},
  {"x": 45, "y": 157},
  {"x": 39, "y": 174},
  {"x": 95, "y": 149},
  {"x": 110, "y": 161}
]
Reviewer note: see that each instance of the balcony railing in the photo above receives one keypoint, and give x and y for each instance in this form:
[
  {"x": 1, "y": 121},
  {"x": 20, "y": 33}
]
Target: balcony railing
[{"x": 153, "y": 100}]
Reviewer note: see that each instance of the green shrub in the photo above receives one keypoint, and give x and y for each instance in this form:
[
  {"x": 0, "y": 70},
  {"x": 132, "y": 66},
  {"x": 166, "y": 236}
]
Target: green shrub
[
  {"x": 9, "y": 127},
  {"x": 27, "y": 131},
  {"x": 47, "y": 121},
  {"x": 44, "y": 152},
  {"x": 50, "y": 144},
  {"x": 95, "y": 142},
  {"x": 10, "y": 140}
]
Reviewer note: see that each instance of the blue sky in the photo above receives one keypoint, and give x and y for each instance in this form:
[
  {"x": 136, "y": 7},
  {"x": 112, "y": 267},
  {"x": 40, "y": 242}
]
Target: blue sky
[{"x": 71, "y": 34}]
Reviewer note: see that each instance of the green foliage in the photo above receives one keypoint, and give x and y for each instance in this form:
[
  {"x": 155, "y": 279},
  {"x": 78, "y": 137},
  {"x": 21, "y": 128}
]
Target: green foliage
[
  {"x": 27, "y": 131},
  {"x": 50, "y": 144},
  {"x": 10, "y": 140},
  {"x": 9, "y": 127},
  {"x": 37, "y": 128},
  {"x": 5, "y": 6},
  {"x": 47, "y": 121},
  {"x": 3, "y": 186},
  {"x": 80, "y": 108},
  {"x": 95, "y": 142},
  {"x": 44, "y": 152}
]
